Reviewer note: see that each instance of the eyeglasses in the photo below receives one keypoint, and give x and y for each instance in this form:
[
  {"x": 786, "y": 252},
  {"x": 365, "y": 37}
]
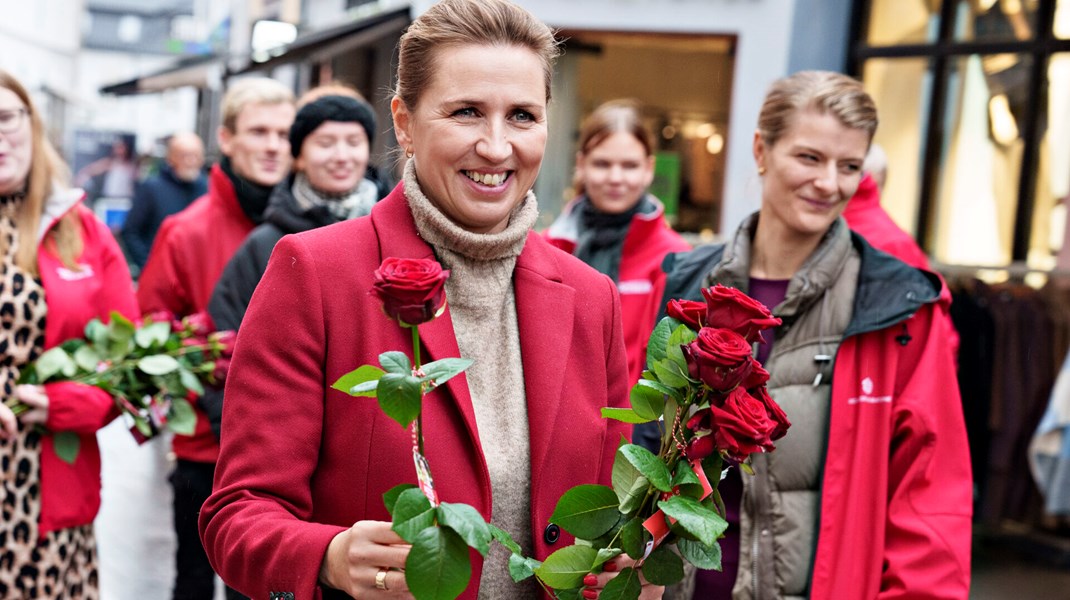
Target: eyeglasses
[{"x": 11, "y": 120}]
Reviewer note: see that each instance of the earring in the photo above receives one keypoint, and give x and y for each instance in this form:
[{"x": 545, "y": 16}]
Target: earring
[
  {"x": 761, "y": 170},
  {"x": 409, "y": 153}
]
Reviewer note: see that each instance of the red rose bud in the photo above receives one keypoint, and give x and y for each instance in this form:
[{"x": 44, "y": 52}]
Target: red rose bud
[
  {"x": 758, "y": 376},
  {"x": 700, "y": 447},
  {"x": 742, "y": 426},
  {"x": 219, "y": 373},
  {"x": 700, "y": 421},
  {"x": 412, "y": 290},
  {"x": 732, "y": 309},
  {"x": 160, "y": 316},
  {"x": 776, "y": 414},
  {"x": 224, "y": 342},
  {"x": 199, "y": 323},
  {"x": 689, "y": 312},
  {"x": 720, "y": 358}
]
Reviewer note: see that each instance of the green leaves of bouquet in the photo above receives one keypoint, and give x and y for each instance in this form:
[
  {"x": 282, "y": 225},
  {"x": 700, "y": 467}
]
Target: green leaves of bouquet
[
  {"x": 708, "y": 395},
  {"x": 149, "y": 368}
]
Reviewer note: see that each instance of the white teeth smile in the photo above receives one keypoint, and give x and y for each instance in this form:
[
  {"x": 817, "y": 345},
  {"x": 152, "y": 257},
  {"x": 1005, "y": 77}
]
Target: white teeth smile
[{"x": 491, "y": 179}]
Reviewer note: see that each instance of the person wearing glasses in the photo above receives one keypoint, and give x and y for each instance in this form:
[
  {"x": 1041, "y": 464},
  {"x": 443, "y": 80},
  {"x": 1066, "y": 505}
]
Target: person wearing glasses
[{"x": 61, "y": 268}]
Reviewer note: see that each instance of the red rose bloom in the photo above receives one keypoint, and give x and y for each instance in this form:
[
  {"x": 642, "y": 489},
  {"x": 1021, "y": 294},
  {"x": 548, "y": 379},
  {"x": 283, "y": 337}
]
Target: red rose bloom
[
  {"x": 758, "y": 376},
  {"x": 199, "y": 324},
  {"x": 742, "y": 426},
  {"x": 720, "y": 358},
  {"x": 412, "y": 289},
  {"x": 689, "y": 312},
  {"x": 732, "y": 309},
  {"x": 776, "y": 414}
]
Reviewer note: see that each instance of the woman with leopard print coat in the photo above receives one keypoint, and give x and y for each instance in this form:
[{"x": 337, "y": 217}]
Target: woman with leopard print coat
[{"x": 61, "y": 268}]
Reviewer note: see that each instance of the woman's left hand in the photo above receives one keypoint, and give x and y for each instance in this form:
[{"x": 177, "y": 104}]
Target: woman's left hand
[
  {"x": 36, "y": 399},
  {"x": 593, "y": 584}
]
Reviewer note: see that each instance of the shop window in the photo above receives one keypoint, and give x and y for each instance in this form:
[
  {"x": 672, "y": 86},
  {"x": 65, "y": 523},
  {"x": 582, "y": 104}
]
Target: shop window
[
  {"x": 995, "y": 20},
  {"x": 902, "y": 21},
  {"x": 1048, "y": 246}
]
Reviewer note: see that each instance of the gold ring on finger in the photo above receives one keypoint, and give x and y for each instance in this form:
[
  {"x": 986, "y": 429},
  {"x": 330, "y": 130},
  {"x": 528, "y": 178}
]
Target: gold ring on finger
[{"x": 380, "y": 579}]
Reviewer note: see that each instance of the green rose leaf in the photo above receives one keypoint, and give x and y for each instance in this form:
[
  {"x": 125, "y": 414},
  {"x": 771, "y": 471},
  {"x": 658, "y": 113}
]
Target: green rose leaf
[
  {"x": 366, "y": 378},
  {"x": 669, "y": 373},
  {"x": 399, "y": 397},
  {"x": 663, "y": 566},
  {"x": 395, "y": 362},
  {"x": 628, "y": 483},
  {"x": 158, "y": 364},
  {"x": 54, "y": 361},
  {"x": 443, "y": 370},
  {"x": 390, "y": 497},
  {"x": 624, "y": 415},
  {"x": 86, "y": 358},
  {"x": 190, "y": 381},
  {"x": 567, "y": 567},
  {"x": 437, "y": 567},
  {"x": 659, "y": 338},
  {"x": 468, "y": 523},
  {"x": 413, "y": 513},
  {"x": 648, "y": 465},
  {"x": 520, "y": 568},
  {"x": 625, "y": 586},
  {"x": 66, "y": 445},
  {"x": 181, "y": 418},
  {"x": 587, "y": 511},
  {"x": 97, "y": 333},
  {"x": 682, "y": 335},
  {"x": 633, "y": 538},
  {"x": 573, "y": 594},
  {"x": 700, "y": 555},
  {"x": 502, "y": 537},
  {"x": 647, "y": 401},
  {"x": 695, "y": 519},
  {"x": 152, "y": 334},
  {"x": 604, "y": 555}
]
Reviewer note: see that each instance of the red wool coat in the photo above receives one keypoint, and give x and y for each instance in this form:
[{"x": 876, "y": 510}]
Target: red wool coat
[{"x": 301, "y": 462}]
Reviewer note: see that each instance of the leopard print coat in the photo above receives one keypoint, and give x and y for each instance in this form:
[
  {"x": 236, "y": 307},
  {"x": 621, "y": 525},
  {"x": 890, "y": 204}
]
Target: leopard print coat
[{"x": 62, "y": 564}]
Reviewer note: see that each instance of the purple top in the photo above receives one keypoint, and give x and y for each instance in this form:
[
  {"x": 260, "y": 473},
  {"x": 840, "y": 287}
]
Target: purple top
[{"x": 717, "y": 585}]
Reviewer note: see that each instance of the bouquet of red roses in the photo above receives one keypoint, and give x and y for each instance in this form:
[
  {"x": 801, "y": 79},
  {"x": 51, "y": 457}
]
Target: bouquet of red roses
[
  {"x": 708, "y": 393},
  {"x": 149, "y": 367}
]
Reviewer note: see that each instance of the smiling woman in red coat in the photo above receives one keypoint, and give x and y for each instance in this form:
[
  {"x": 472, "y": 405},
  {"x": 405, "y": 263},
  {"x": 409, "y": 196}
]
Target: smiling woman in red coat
[{"x": 297, "y": 509}]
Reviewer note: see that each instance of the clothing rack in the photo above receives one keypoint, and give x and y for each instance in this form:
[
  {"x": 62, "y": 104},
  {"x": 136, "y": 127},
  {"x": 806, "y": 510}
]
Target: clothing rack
[{"x": 1015, "y": 271}]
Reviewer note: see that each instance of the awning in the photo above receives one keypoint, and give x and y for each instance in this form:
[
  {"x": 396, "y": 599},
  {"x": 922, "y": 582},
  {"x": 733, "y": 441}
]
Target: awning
[
  {"x": 198, "y": 71},
  {"x": 326, "y": 43}
]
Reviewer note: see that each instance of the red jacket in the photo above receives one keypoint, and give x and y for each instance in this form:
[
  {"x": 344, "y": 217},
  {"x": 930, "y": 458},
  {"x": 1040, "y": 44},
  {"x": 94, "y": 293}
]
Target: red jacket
[
  {"x": 302, "y": 462},
  {"x": 641, "y": 280},
  {"x": 865, "y": 216},
  {"x": 70, "y": 493},
  {"x": 187, "y": 258}
]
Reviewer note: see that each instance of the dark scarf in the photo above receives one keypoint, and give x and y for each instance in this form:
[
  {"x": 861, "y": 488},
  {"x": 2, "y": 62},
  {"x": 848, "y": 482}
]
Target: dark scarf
[
  {"x": 252, "y": 197},
  {"x": 601, "y": 239}
]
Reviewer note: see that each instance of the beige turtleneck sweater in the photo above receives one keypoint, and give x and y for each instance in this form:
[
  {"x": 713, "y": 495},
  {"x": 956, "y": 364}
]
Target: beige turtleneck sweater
[{"x": 483, "y": 309}]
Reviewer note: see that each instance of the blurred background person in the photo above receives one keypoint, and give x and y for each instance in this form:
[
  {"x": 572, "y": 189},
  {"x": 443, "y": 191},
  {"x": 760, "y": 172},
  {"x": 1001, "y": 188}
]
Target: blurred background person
[
  {"x": 330, "y": 141},
  {"x": 865, "y": 215},
  {"x": 190, "y": 252},
  {"x": 113, "y": 175},
  {"x": 61, "y": 268},
  {"x": 870, "y": 493},
  {"x": 614, "y": 224},
  {"x": 304, "y": 466},
  {"x": 180, "y": 181}
]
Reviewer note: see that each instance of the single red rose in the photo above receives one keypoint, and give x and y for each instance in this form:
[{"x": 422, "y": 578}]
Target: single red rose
[
  {"x": 413, "y": 290},
  {"x": 689, "y": 312},
  {"x": 732, "y": 309},
  {"x": 223, "y": 342},
  {"x": 700, "y": 447},
  {"x": 776, "y": 414},
  {"x": 720, "y": 358},
  {"x": 742, "y": 426},
  {"x": 219, "y": 373},
  {"x": 199, "y": 324}
]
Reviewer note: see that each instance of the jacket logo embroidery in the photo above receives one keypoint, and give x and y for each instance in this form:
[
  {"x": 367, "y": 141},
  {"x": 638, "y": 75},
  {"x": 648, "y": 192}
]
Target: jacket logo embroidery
[
  {"x": 69, "y": 275},
  {"x": 635, "y": 286},
  {"x": 867, "y": 397}
]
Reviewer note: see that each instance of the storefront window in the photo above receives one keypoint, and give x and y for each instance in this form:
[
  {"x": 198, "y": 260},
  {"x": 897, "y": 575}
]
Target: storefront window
[
  {"x": 902, "y": 21},
  {"x": 1049, "y": 247},
  {"x": 995, "y": 20},
  {"x": 1061, "y": 26},
  {"x": 900, "y": 89}
]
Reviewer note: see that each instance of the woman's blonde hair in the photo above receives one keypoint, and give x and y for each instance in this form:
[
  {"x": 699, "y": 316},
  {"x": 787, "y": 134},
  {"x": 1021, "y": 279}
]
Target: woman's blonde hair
[
  {"x": 824, "y": 91},
  {"x": 47, "y": 170},
  {"x": 614, "y": 116},
  {"x": 253, "y": 90},
  {"x": 453, "y": 23}
]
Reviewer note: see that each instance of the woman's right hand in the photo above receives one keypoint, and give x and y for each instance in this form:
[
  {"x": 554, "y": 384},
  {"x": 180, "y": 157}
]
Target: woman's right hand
[
  {"x": 8, "y": 422},
  {"x": 355, "y": 557}
]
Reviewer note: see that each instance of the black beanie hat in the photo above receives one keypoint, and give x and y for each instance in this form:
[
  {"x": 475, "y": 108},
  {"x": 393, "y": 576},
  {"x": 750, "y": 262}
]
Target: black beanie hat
[{"x": 330, "y": 108}]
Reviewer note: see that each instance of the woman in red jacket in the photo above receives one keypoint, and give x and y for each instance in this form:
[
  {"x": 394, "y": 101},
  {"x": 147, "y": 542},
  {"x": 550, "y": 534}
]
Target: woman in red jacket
[
  {"x": 297, "y": 508},
  {"x": 61, "y": 268},
  {"x": 614, "y": 224}
]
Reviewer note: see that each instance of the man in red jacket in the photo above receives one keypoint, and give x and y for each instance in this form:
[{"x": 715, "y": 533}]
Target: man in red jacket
[{"x": 187, "y": 257}]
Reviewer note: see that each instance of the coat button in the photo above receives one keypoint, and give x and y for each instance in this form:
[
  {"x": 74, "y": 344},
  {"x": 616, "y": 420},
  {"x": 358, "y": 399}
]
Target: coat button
[{"x": 551, "y": 534}]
